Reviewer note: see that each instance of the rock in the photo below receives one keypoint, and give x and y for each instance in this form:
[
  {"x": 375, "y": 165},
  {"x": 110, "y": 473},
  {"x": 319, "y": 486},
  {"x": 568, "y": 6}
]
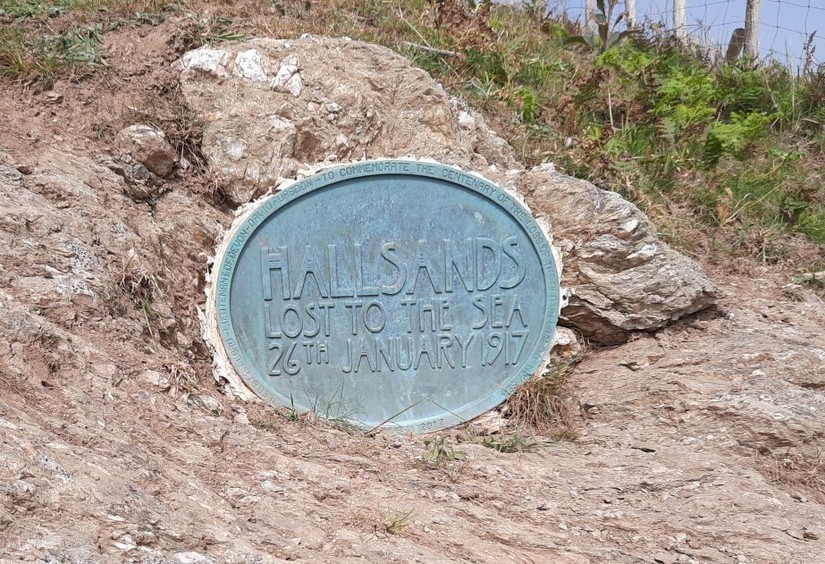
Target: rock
[
  {"x": 191, "y": 557},
  {"x": 623, "y": 278},
  {"x": 9, "y": 170},
  {"x": 566, "y": 347},
  {"x": 272, "y": 107},
  {"x": 810, "y": 535},
  {"x": 140, "y": 184},
  {"x": 490, "y": 423},
  {"x": 154, "y": 379},
  {"x": 147, "y": 146},
  {"x": 734, "y": 410},
  {"x": 206, "y": 402},
  {"x": 665, "y": 558}
]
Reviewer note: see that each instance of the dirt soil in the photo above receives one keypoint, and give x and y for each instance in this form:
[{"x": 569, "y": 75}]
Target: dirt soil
[{"x": 700, "y": 443}]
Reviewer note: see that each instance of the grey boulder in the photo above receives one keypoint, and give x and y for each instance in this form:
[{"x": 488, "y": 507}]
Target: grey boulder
[
  {"x": 622, "y": 277},
  {"x": 148, "y": 146}
]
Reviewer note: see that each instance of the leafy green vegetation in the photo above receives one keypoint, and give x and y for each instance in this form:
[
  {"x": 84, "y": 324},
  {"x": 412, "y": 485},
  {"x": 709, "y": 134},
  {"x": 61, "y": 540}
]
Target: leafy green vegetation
[
  {"x": 606, "y": 35},
  {"x": 22, "y": 9},
  {"x": 437, "y": 452},
  {"x": 510, "y": 443},
  {"x": 395, "y": 522},
  {"x": 733, "y": 151},
  {"x": 737, "y": 146},
  {"x": 200, "y": 30},
  {"x": 26, "y": 9},
  {"x": 42, "y": 40},
  {"x": 47, "y": 55}
]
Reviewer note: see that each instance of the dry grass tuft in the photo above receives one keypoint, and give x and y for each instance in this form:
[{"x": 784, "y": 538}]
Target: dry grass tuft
[
  {"x": 543, "y": 403},
  {"x": 385, "y": 521},
  {"x": 798, "y": 471}
]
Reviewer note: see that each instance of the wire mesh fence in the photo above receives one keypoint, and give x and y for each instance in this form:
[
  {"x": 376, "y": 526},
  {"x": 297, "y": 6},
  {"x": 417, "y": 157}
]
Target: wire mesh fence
[{"x": 786, "y": 30}]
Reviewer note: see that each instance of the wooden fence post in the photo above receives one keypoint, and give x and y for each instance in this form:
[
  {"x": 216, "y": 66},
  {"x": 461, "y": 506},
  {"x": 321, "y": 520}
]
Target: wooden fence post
[
  {"x": 752, "y": 29},
  {"x": 589, "y": 20},
  {"x": 630, "y": 12},
  {"x": 680, "y": 19}
]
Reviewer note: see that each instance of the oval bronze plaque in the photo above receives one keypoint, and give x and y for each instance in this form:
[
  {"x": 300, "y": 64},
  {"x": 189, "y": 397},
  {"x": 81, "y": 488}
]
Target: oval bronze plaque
[{"x": 401, "y": 294}]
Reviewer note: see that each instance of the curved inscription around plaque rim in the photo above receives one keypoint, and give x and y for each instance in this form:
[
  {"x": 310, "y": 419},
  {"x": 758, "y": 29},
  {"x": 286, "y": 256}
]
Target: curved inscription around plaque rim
[{"x": 391, "y": 167}]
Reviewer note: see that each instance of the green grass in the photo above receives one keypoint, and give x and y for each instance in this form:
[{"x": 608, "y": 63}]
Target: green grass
[
  {"x": 200, "y": 30},
  {"x": 739, "y": 146},
  {"x": 437, "y": 452},
  {"x": 26, "y": 9},
  {"x": 510, "y": 443},
  {"x": 46, "y": 40},
  {"x": 22, "y": 9},
  {"x": 395, "y": 522},
  {"x": 735, "y": 148},
  {"x": 45, "y": 56}
]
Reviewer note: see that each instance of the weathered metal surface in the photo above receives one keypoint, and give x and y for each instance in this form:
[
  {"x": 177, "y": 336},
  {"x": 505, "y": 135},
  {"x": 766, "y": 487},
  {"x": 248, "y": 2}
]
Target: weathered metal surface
[{"x": 401, "y": 294}]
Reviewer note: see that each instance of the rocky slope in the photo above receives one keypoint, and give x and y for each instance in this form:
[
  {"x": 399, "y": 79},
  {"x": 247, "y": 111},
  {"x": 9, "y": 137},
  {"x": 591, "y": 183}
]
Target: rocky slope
[{"x": 699, "y": 442}]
